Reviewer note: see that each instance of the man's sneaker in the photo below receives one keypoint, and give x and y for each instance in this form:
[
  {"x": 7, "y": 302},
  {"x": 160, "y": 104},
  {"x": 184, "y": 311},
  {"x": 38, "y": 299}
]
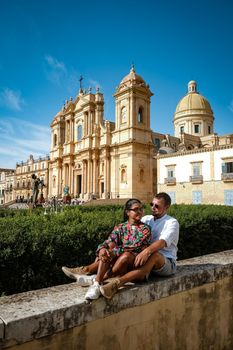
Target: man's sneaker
[
  {"x": 74, "y": 272},
  {"x": 93, "y": 291},
  {"x": 84, "y": 280},
  {"x": 111, "y": 288}
]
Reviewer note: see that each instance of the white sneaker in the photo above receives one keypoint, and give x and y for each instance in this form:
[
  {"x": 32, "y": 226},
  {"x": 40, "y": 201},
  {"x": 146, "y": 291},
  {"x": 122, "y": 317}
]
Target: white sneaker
[
  {"x": 85, "y": 280},
  {"x": 93, "y": 291}
]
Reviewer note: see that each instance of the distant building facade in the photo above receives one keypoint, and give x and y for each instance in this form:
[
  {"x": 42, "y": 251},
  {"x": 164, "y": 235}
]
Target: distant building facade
[
  {"x": 6, "y": 185},
  {"x": 23, "y": 177}
]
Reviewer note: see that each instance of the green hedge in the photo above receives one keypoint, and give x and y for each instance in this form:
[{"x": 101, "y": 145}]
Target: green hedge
[{"x": 34, "y": 246}]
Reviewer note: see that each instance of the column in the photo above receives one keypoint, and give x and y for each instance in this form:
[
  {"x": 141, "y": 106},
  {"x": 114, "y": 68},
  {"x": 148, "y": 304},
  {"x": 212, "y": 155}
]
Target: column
[
  {"x": 82, "y": 185},
  {"x": 71, "y": 178},
  {"x": 89, "y": 186},
  {"x": 94, "y": 176},
  {"x": 107, "y": 176},
  {"x": 84, "y": 177}
]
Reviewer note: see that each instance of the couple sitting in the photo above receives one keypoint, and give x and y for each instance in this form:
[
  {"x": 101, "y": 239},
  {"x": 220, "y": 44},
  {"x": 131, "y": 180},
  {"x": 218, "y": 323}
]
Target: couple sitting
[{"x": 135, "y": 248}]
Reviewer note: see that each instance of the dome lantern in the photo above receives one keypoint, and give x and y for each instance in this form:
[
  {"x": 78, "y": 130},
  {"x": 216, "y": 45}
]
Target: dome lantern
[{"x": 192, "y": 86}]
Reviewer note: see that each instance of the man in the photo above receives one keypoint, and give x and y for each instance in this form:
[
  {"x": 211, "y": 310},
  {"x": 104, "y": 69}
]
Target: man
[{"x": 160, "y": 257}]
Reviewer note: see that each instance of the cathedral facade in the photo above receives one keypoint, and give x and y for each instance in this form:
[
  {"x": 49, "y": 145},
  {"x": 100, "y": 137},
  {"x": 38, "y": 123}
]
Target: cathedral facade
[{"x": 97, "y": 158}]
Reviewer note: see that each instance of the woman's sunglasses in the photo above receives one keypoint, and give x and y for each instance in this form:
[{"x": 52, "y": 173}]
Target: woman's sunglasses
[{"x": 137, "y": 210}]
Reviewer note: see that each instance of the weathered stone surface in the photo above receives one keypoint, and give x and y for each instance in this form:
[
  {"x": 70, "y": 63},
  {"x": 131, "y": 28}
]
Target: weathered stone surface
[
  {"x": 40, "y": 313},
  {"x": 1, "y": 329}
]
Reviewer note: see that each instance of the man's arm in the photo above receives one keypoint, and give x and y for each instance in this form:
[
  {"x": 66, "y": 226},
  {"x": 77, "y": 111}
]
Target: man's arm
[{"x": 142, "y": 257}]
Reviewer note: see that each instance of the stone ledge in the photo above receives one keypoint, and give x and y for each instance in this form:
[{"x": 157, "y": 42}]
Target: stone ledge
[
  {"x": 36, "y": 314},
  {"x": 1, "y": 329}
]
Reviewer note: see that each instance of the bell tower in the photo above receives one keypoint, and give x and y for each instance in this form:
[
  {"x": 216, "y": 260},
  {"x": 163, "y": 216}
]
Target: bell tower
[
  {"x": 133, "y": 103},
  {"x": 132, "y": 139}
]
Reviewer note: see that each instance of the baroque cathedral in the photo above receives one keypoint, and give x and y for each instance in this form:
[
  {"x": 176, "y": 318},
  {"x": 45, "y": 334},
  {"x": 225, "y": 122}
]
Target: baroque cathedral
[{"x": 97, "y": 158}]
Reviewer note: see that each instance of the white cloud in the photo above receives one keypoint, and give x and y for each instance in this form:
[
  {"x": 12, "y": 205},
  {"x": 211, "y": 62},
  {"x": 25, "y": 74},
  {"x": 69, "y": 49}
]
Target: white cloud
[
  {"x": 55, "y": 64},
  {"x": 56, "y": 71},
  {"x": 11, "y": 99},
  {"x": 19, "y": 139}
]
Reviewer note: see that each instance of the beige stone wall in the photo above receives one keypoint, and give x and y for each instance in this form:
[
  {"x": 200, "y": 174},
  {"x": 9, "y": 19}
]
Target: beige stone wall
[
  {"x": 212, "y": 191},
  {"x": 198, "y": 319},
  {"x": 210, "y": 161}
]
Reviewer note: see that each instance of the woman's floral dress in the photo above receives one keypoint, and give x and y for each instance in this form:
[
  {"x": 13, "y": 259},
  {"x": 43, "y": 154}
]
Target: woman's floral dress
[{"x": 127, "y": 237}]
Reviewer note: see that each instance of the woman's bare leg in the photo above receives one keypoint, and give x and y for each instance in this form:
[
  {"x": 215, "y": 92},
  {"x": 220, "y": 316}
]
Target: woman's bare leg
[
  {"x": 123, "y": 264},
  {"x": 156, "y": 261}
]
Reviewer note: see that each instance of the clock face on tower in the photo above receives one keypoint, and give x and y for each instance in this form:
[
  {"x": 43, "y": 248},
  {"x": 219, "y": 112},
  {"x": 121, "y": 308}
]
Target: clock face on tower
[{"x": 123, "y": 114}]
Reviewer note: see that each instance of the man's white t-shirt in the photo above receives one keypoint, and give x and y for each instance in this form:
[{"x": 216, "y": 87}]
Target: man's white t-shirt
[{"x": 166, "y": 228}]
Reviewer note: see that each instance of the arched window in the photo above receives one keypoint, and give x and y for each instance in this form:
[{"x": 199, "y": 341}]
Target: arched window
[
  {"x": 80, "y": 132},
  {"x": 140, "y": 115},
  {"x": 123, "y": 175},
  {"x": 54, "y": 140}
]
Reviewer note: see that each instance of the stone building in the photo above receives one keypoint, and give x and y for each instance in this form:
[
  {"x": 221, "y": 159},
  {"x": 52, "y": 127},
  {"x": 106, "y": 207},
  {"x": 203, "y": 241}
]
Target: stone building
[
  {"x": 6, "y": 185},
  {"x": 23, "y": 177},
  {"x": 201, "y": 169},
  {"x": 102, "y": 159}
]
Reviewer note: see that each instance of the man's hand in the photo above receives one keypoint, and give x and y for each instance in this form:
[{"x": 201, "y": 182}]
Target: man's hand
[{"x": 142, "y": 258}]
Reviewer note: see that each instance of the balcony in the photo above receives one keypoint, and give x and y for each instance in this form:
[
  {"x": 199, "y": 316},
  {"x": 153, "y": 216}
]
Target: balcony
[
  {"x": 22, "y": 188},
  {"x": 9, "y": 189},
  {"x": 169, "y": 181},
  {"x": 227, "y": 177},
  {"x": 198, "y": 179}
]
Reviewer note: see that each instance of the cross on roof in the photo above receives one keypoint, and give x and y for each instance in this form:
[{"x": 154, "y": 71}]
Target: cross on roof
[{"x": 80, "y": 81}]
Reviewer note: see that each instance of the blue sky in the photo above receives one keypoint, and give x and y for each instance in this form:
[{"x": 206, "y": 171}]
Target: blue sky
[{"x": 47, "y": 45}]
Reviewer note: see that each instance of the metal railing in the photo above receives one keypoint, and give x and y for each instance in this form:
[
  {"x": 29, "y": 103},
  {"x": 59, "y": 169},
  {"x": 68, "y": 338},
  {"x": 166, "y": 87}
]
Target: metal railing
[
  {"x": 170, "y": 180},
  {"x": 198, "y": 179},
  {"x": 228, "y": 177}
]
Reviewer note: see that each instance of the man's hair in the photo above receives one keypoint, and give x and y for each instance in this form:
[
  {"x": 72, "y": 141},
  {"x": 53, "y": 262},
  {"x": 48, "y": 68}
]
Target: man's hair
[{"x": 165, "y": 197}]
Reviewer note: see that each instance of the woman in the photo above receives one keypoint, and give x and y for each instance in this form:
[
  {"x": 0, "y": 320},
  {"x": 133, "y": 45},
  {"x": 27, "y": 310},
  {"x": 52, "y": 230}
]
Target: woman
[{"x": 116, "y": 255}]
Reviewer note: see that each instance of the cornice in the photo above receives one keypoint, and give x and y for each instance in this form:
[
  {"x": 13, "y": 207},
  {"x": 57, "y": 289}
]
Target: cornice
[{"x": 194, "y": 151}]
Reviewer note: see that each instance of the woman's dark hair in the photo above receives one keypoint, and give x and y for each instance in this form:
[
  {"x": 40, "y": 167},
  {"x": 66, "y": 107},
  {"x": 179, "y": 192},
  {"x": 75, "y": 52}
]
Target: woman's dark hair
[{"x": 128, "y": 206}]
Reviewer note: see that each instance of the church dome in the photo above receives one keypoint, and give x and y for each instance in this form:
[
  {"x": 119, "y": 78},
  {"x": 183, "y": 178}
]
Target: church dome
[
  {"x": 193, "y": 101},
  {"x": 193, "y": 110}
]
